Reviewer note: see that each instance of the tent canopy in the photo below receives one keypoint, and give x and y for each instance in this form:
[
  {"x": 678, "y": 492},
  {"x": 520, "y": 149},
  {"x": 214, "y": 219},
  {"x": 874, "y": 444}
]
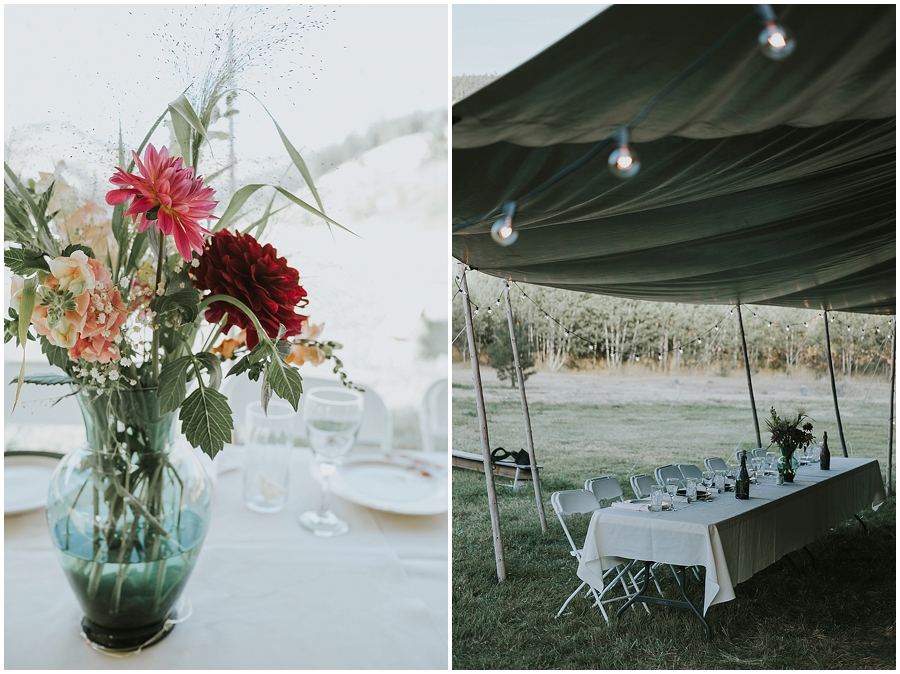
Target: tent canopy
[{"x": 762, "y": 182}]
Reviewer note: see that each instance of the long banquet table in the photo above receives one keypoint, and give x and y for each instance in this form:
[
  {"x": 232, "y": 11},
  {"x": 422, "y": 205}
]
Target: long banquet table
[
  {"x": 734, "y": 539},
  {"x": 266, "y": 594}
]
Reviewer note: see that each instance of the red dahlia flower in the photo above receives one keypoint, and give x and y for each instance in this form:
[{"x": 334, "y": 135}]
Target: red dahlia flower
[
  {"x": 238, "y": 266},
  {"x": 168, "y": 194}
]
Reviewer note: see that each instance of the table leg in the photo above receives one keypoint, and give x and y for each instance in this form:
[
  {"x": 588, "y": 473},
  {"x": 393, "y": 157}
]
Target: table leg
[{"x": 686, "y": 604}]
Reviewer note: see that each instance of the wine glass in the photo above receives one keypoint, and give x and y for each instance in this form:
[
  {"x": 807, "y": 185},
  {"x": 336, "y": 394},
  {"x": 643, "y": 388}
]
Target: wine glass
[
  {"x": 332, "y": 418},
  {"x": 771, "y": 461},
  {"x": 672, "y": 488}
]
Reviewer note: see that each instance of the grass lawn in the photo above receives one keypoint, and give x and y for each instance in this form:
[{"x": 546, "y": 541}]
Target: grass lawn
[{"x": 840, "y": 613}]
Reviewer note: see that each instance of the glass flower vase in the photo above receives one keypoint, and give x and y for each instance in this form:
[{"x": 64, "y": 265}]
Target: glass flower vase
[
  {"x": 127, "y": 513},
  {"x": 788, "y": 464}
]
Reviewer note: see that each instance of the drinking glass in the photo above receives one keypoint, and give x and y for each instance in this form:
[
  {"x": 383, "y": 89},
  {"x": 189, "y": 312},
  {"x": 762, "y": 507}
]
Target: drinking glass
[
  {"x": 708, "y": 479},
  {"x": 691, "y": 489},
  {"x": 771, "y": 460},
  {"x": 267, "y": 455},
  {"x": 720, "y": 480},
  {"x": 672, "y": 487},
  {"x": 332, "y": 417},
  {"x": 656, "y": 498}
]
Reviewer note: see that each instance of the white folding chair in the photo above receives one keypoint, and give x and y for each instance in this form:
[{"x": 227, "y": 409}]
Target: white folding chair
[
  {"x": 715, "y": 463},
  {"x": 582, "y": 501},
  {"x": 690, "y": 470},
  {"x": 641, "y": 485},
  {"x": 433, "y": 416},
  {"x": 605, "y": 488},
  {"x": 663, "y": 473}
]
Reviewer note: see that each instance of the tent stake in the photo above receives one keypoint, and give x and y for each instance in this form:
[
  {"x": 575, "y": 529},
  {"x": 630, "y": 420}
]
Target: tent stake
[
  {"x": 482, "y": 423},
  {"x": 528, "y": 437},
  {"x": 837, "y": 412},
  {"x": 890, "y": 459},
  {"x": 749, "y": 380}
]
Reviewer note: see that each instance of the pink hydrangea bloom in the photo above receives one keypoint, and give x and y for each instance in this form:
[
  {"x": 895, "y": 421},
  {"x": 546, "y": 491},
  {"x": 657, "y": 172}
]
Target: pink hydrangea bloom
[{"x": 164, "y": 182}]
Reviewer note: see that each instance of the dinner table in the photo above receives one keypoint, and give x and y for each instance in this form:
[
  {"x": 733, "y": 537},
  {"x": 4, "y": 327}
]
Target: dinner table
[
  {"x": 265, "y": 593},
  {"x": 731, "y": 538}
]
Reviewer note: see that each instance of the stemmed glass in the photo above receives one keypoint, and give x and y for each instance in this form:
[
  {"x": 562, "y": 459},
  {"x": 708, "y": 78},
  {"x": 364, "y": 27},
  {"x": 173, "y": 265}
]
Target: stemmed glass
[
  {"x": 333, "y": 417},
  {"x": 771, "y": 461},
  {"x": 672, "y": 488}
]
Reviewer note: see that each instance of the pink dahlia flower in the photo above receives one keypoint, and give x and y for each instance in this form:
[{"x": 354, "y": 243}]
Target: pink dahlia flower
[{"x": 169, "y": 192}]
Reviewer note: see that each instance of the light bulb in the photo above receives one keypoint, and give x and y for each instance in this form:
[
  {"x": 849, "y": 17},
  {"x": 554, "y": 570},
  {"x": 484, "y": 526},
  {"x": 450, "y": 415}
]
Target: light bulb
[
  {"x": 502, "y": 232},
  {"x": 624, "y": 162},
  {"x": 774, "y": 40},
  {"x": 476, "y": 312},
  {"x": 490, "y": 312}
]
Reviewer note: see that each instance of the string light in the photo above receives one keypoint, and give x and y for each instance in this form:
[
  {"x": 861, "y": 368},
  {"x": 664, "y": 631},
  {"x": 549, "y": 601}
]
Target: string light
[
  {"x": 490, "y": 312},
  {"x": 774, "y": 40},
  {"x": 502, "y": 231},
  {"x": 624, "y": 162}
]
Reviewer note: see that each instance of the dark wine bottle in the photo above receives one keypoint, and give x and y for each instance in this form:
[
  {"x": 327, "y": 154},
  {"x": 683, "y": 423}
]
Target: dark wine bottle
[
  {"x": 742, "y": 484},
  {"x": 825, "y": 457}
]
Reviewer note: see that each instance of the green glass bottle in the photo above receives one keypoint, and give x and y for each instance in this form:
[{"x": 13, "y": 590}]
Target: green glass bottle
[
  {"x": 825, "y": 456},
  {"x": 742, "y": 484}
]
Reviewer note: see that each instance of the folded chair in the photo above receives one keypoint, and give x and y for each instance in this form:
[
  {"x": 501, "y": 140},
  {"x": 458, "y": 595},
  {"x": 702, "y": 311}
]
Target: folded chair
[
  {"x": 715, "y": 463},
  {"x": 689, "y": 470},
  {"x": 582, "y": 501}
]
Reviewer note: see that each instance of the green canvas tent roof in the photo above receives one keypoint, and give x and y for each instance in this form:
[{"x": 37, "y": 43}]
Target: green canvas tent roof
[{"x": 762, "y": 182}]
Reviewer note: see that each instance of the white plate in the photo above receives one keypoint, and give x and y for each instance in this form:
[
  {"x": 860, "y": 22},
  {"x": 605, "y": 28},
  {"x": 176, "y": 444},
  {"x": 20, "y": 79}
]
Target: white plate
[
  {"x": 25, "y": 483},
  {"x": 409, "y": 484}
]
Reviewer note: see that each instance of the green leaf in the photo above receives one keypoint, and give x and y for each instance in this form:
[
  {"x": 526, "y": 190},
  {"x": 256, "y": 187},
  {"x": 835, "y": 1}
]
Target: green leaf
[
  {"x": 68, "y": 250},
  {"x": 283, "y": 348},
  {"x": 182, "y": 134},
  {"x": 26, "y": 306},
  {"x": 56, "y": 355},
  {"x": 285, "y": 381},
  {"x": 24, "y": 261},
  {"x": 206, "y": 420},
  {"x": 305, "y": 206},
  {"x": 298, "y": 162},
  {"x": 211, "y": 364},
  {"x": 43, "y": 234},
  {"x": 240, "y": 197},
  {"x": 172, "y": 387},
  {"x": 46, "y": 379},
  {"x": 181, "y": 107},
  {"x": 184, "y": 302}
]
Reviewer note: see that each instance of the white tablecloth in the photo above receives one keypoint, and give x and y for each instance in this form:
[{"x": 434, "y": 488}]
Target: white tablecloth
[
  {"x": 266, "y": 593},
  {"x": 734, "y": 539}
]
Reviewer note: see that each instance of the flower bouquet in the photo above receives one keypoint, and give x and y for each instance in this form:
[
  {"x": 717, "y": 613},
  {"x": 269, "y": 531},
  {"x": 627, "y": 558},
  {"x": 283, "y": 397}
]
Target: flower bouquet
[
  {"x": 133, "y": 325},
  {"x": 789, "y": 433}
]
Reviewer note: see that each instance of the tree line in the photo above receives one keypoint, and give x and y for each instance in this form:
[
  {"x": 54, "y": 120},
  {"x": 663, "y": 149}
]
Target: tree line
[{"x": 612, "y": 333}]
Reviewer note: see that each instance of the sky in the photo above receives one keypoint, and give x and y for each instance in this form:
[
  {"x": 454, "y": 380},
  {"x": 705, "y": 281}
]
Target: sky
[
  {"x": 490, "y": 39},
  {"x": 345, "y": 66}
]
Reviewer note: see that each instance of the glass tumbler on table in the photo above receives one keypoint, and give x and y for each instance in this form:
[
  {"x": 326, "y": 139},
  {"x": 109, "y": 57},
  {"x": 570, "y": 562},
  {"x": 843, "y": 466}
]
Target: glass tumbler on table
[
  {"x": 720, "y": 480},
  {"x": 690, "y": 485},
  {"x": 267, "y": 455},
  {"x": 332, "y": 417},
  {"x": 656, "y": 498}
]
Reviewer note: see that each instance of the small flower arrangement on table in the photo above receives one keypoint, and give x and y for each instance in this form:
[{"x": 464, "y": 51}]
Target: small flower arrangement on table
[
  {"x": 128, "y": 512},
  {"x": 790, "y": 434}
]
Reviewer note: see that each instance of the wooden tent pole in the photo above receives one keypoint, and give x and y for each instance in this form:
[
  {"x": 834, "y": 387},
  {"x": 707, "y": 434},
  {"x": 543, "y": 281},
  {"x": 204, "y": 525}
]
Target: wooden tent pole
[
  {"x": 529, "y": 440},
  {"x": 482, "y": 423},
  {"x": 890, "y": 458},
  {"x": 837, "y": 411},
  {"x": 749, "y": 380}
]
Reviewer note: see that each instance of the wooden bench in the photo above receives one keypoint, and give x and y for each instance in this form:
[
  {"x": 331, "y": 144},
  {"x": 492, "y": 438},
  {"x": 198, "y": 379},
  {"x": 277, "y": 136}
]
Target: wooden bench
[{"x": 506, "y": 468}]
